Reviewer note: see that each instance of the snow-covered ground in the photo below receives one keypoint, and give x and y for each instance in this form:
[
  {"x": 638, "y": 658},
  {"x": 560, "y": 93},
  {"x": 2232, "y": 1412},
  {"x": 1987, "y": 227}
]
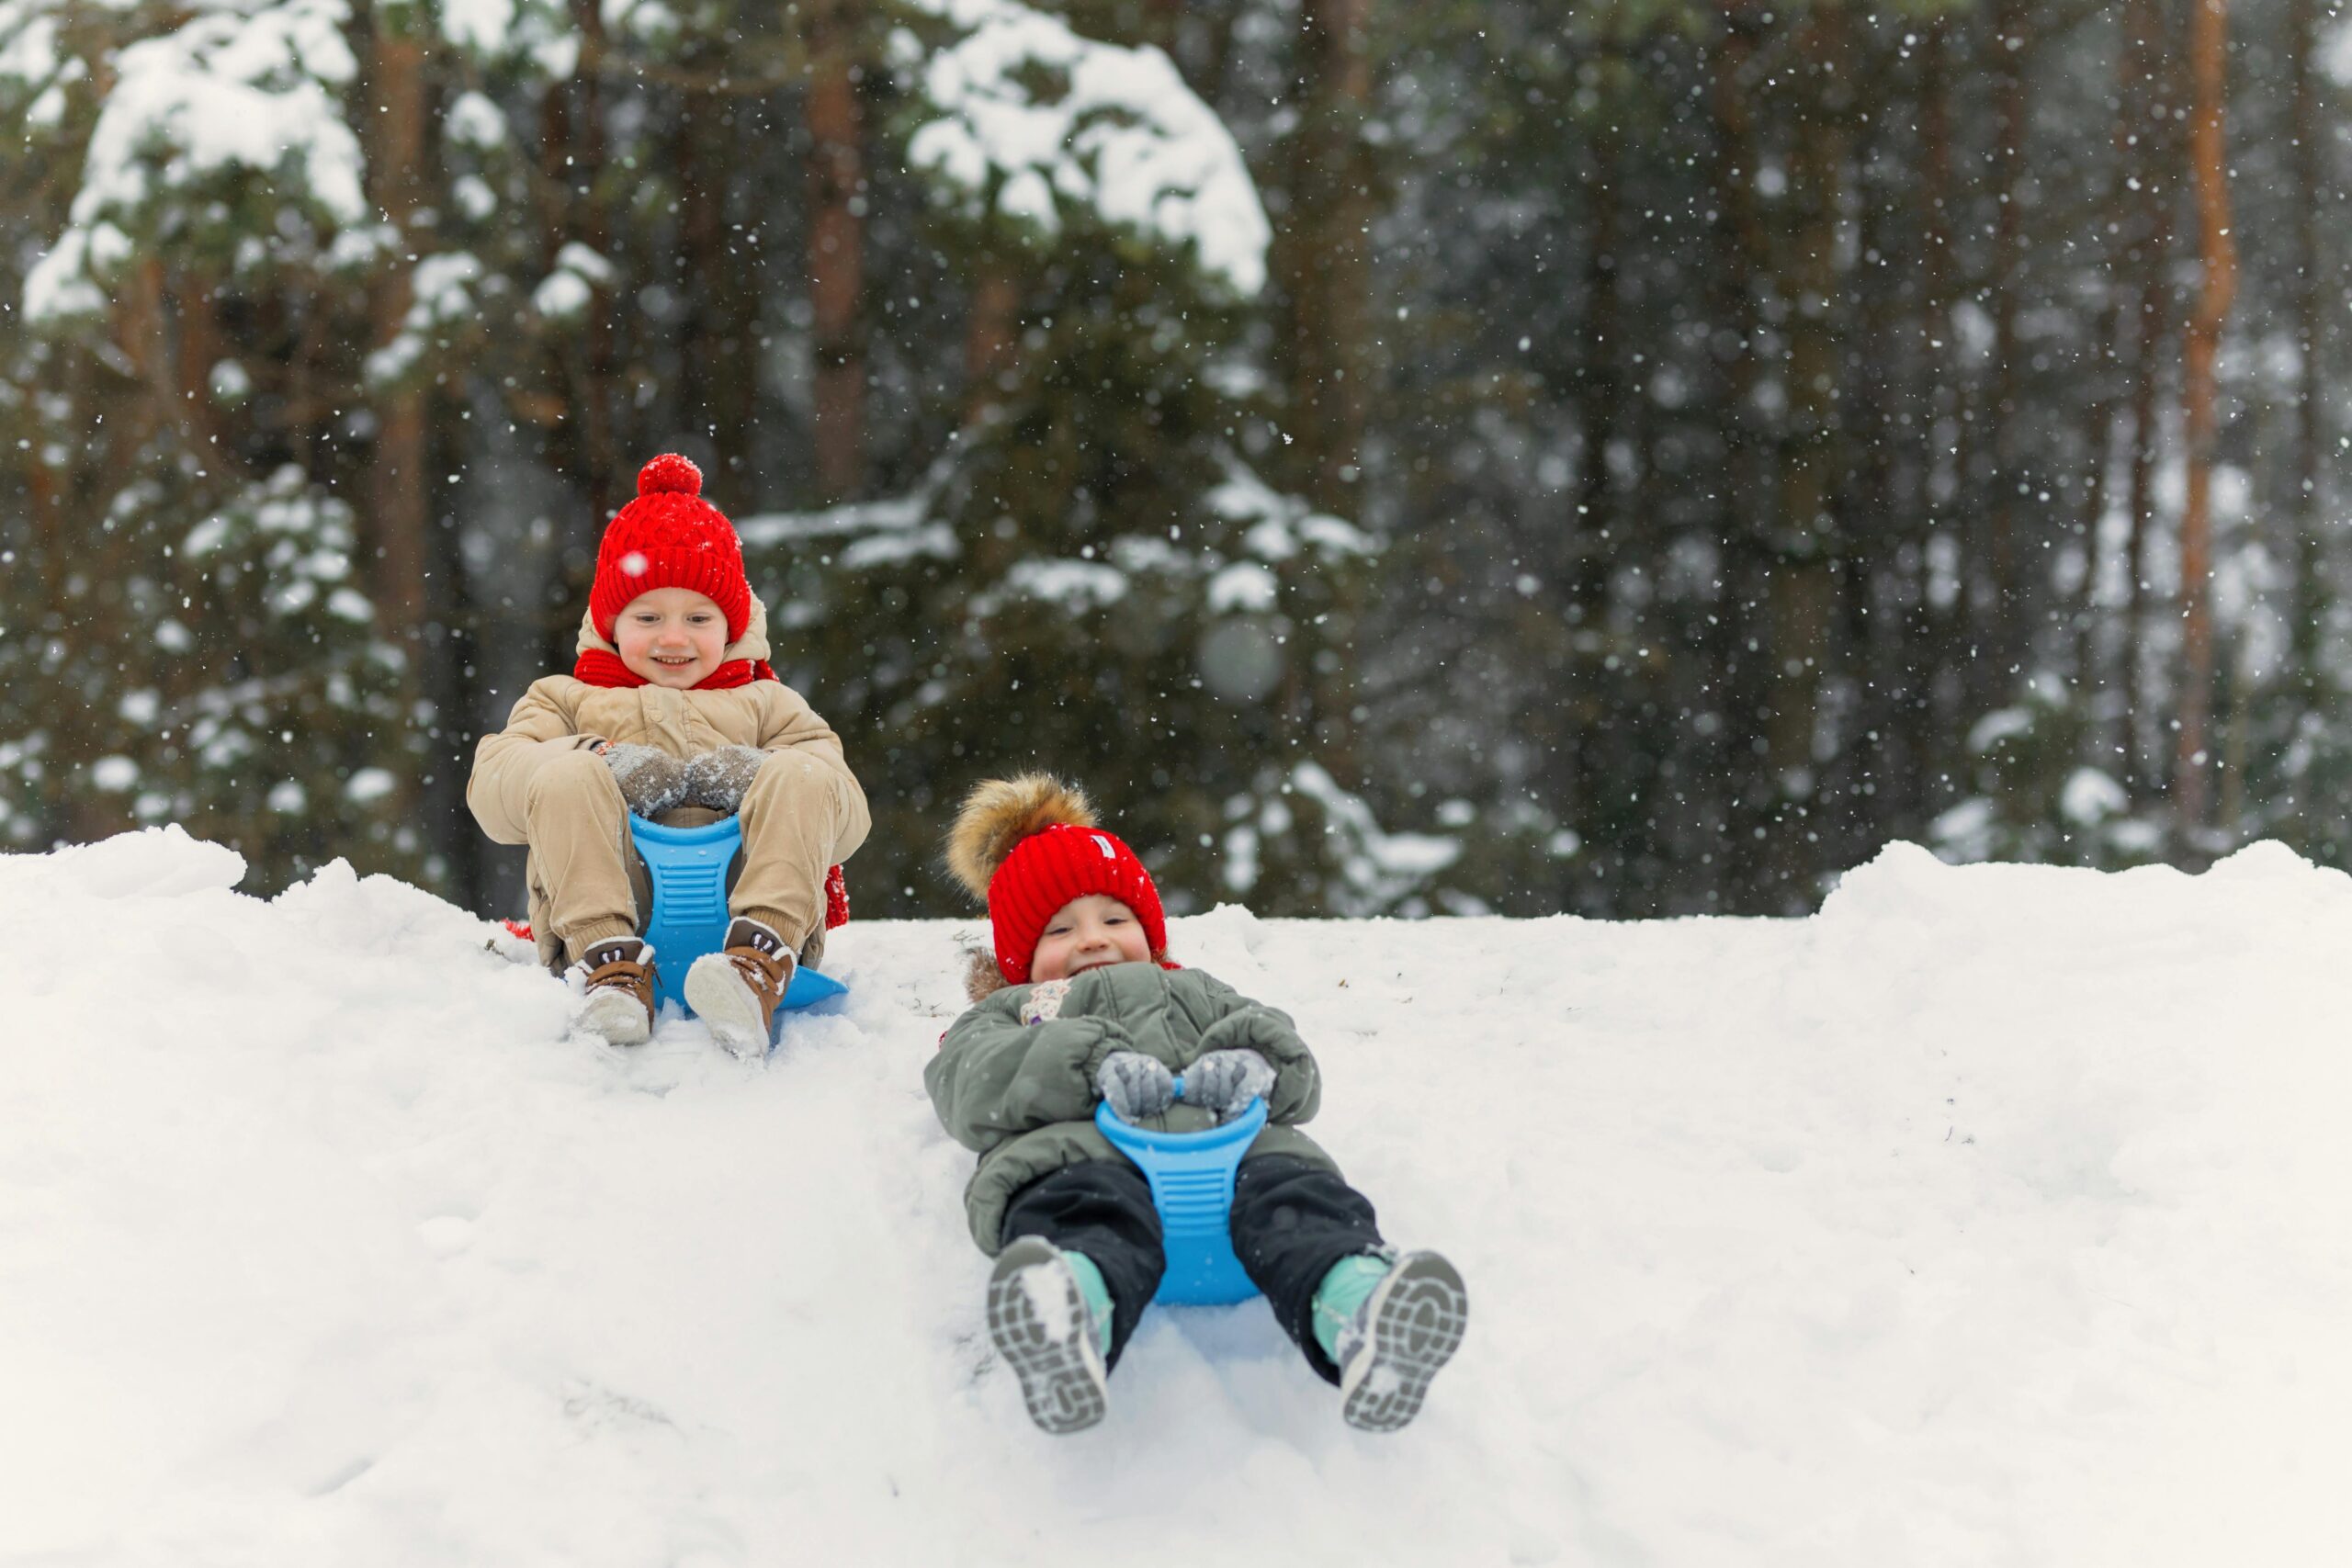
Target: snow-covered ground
[{"x": 1994, "y": 1215}]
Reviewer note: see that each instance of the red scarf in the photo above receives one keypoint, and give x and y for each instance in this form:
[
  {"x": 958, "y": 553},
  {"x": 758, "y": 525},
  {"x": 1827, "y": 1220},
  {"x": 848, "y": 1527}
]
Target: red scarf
[{"x": 600, "y": 667}]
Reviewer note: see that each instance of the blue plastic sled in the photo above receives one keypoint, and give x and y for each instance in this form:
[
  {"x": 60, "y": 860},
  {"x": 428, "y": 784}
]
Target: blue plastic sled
[
  {"x": 688, "y": 866},
  {"x": 1192, "y": 1186}
]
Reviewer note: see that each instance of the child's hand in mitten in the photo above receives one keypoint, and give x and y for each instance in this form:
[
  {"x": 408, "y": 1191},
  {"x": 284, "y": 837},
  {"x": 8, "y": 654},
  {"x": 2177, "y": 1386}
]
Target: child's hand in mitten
[
  {"x": 718, "y": 779},
  {"x": 1224, "y": 1082},
  {"x": 1135, "y": 1085},
  {"x": 651, "y": 780}
]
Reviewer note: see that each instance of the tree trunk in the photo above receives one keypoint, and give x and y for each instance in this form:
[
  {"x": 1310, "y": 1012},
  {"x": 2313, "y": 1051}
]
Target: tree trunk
[
  {"x": 398, "y": 497},
  {"x": 1804, "y": 577},
  {"x": 398, "y": 494},
  {"x": 1741, "y": 261},
  {"x": 2208, "y": 169},
  {"x": 2233, "y": 815},
  {"x": 2308, "y": 600},
  {"x": 1874, "y": 613},
  {"x": 572, "y": 146},
  {"x": 1599, "y": 390},
  {"x": 605, "y": 468},
  {"x": 193, "y": 310},
  {"x": 2007, "y": 632},
  {"x": 2082, "y": 607},
  {"x": 2145, "y": 89},
  {"x": 1324, "y": 249},
  {"x": 837, "y": 247},
  {"x": 1574, "y": 727},
  {"x": 1322, "y": 262},
  {"x": 1927, "y": 732},
  {"x": 2115, "y": 379},
  {"x": 721, "y": 372},
  {"x": 992, "y": 337},
  {"x": 141, "y": 332}
]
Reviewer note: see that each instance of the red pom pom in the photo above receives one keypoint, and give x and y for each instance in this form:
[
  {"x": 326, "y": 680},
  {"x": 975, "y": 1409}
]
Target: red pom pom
[{"x": 669, "y": 474}]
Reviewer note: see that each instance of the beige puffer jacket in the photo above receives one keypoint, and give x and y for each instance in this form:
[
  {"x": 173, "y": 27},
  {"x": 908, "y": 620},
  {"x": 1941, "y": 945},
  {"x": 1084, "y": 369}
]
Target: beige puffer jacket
[{"x": 561, "y": 714}]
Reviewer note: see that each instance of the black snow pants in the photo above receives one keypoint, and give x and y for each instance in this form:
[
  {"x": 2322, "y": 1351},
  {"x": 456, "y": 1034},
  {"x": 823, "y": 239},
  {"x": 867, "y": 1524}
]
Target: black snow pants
[{"x": 1292, "y": 1221}]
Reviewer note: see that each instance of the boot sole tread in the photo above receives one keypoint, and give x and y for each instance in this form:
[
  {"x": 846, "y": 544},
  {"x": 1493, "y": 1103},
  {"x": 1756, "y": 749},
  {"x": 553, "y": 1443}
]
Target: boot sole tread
[
  {"x": 1418, "y": 1323},
  {"x": 1062, "y": 1385}
]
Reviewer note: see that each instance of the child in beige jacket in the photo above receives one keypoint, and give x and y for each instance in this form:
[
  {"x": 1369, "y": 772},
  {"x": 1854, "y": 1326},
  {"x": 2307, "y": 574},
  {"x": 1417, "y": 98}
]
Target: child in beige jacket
[{"x": 673, "y": 713}]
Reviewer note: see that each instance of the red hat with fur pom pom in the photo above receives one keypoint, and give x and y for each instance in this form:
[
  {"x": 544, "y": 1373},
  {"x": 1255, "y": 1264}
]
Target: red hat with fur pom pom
[{"x": 1029, "y": 845}]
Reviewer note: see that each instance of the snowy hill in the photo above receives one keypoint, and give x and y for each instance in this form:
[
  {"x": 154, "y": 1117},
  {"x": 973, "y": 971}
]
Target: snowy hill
[{"x": 1996, "y": 1215}]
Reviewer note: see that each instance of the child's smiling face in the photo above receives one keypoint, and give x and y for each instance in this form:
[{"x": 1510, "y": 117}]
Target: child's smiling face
[
  {"x": 673, "y": 636},
  {"x": 1087, "y": 933}
]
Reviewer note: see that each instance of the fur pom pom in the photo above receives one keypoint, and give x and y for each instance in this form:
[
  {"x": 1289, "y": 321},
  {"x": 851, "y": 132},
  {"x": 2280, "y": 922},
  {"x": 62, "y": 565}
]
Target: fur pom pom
[{"x": 999, "y": 814}]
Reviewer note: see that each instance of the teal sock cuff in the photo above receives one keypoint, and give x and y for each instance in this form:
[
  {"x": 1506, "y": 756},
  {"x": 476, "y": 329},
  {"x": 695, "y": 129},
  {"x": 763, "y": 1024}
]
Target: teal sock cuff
[
  {"x": 1097, "y": 1294},
  {"x": 1346, "y": 1286}
]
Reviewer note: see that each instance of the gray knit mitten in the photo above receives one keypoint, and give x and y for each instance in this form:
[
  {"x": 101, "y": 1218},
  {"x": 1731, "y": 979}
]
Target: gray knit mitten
[
  {"x": 1224, "y": 1082},
  {"x": 718, "y": 779},
  {"x": 651, "y": 780},
  {"x": 1135, "y": 1085}
]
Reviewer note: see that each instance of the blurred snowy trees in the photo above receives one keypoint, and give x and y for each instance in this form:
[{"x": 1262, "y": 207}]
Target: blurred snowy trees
[{"x": 1625, "y": 458}]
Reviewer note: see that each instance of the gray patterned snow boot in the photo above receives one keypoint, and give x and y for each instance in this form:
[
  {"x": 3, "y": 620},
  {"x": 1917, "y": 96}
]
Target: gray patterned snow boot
[
  {"x": 1040, "y": 1323},
  {"x": 1405, "y": 1331}
]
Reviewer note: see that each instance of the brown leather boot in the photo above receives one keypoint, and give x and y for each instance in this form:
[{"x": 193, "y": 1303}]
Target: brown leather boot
[
  {"x": 735, "y": 991},
  {"x": 620, "y": 990}
]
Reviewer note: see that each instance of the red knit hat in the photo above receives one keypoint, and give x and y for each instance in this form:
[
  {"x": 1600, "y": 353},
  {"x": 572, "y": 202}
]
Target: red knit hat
[
  {"x": 669, "y": 537},
  {"x": 1055, "y": 867},
  {"x": 1029, "y": 846}
]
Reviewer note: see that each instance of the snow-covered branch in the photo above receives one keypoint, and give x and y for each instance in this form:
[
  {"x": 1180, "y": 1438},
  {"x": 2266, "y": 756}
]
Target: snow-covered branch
[{"x": 1034, "y": 118}]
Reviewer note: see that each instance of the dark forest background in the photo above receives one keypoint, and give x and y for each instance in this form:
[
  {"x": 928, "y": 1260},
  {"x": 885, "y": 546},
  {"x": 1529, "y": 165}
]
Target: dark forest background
[{"x": 1651, "y": 455}]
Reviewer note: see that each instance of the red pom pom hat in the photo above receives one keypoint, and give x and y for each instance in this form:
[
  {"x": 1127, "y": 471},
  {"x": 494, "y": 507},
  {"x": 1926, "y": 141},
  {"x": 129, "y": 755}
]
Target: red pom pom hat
[
  {"x": 669, "y": 537},
  {"x": 1055, "y": 866}
]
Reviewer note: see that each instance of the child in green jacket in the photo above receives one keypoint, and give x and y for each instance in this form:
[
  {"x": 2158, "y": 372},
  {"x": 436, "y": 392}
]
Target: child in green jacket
[{"x": 1080, "y": 1003}]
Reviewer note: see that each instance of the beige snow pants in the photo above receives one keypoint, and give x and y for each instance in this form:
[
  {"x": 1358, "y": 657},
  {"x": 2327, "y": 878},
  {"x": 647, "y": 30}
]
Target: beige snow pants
[{"x": 587, "y": 885}]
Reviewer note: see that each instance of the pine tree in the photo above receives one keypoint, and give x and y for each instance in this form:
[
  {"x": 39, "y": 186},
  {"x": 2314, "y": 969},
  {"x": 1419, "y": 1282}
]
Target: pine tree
[
  {"x": 1094, "y": 576},
  {"x": 187, "y": 640}
]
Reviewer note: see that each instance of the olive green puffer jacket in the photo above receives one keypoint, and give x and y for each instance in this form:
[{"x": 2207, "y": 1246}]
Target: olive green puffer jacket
[{"x": 1022, "y": 1093}]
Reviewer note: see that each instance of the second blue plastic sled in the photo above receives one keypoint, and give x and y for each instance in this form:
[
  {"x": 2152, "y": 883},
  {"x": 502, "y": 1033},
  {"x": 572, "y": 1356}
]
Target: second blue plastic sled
[
  {"x": 1192, "y": 1186},
  {"x": 688, "y": 866}
]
